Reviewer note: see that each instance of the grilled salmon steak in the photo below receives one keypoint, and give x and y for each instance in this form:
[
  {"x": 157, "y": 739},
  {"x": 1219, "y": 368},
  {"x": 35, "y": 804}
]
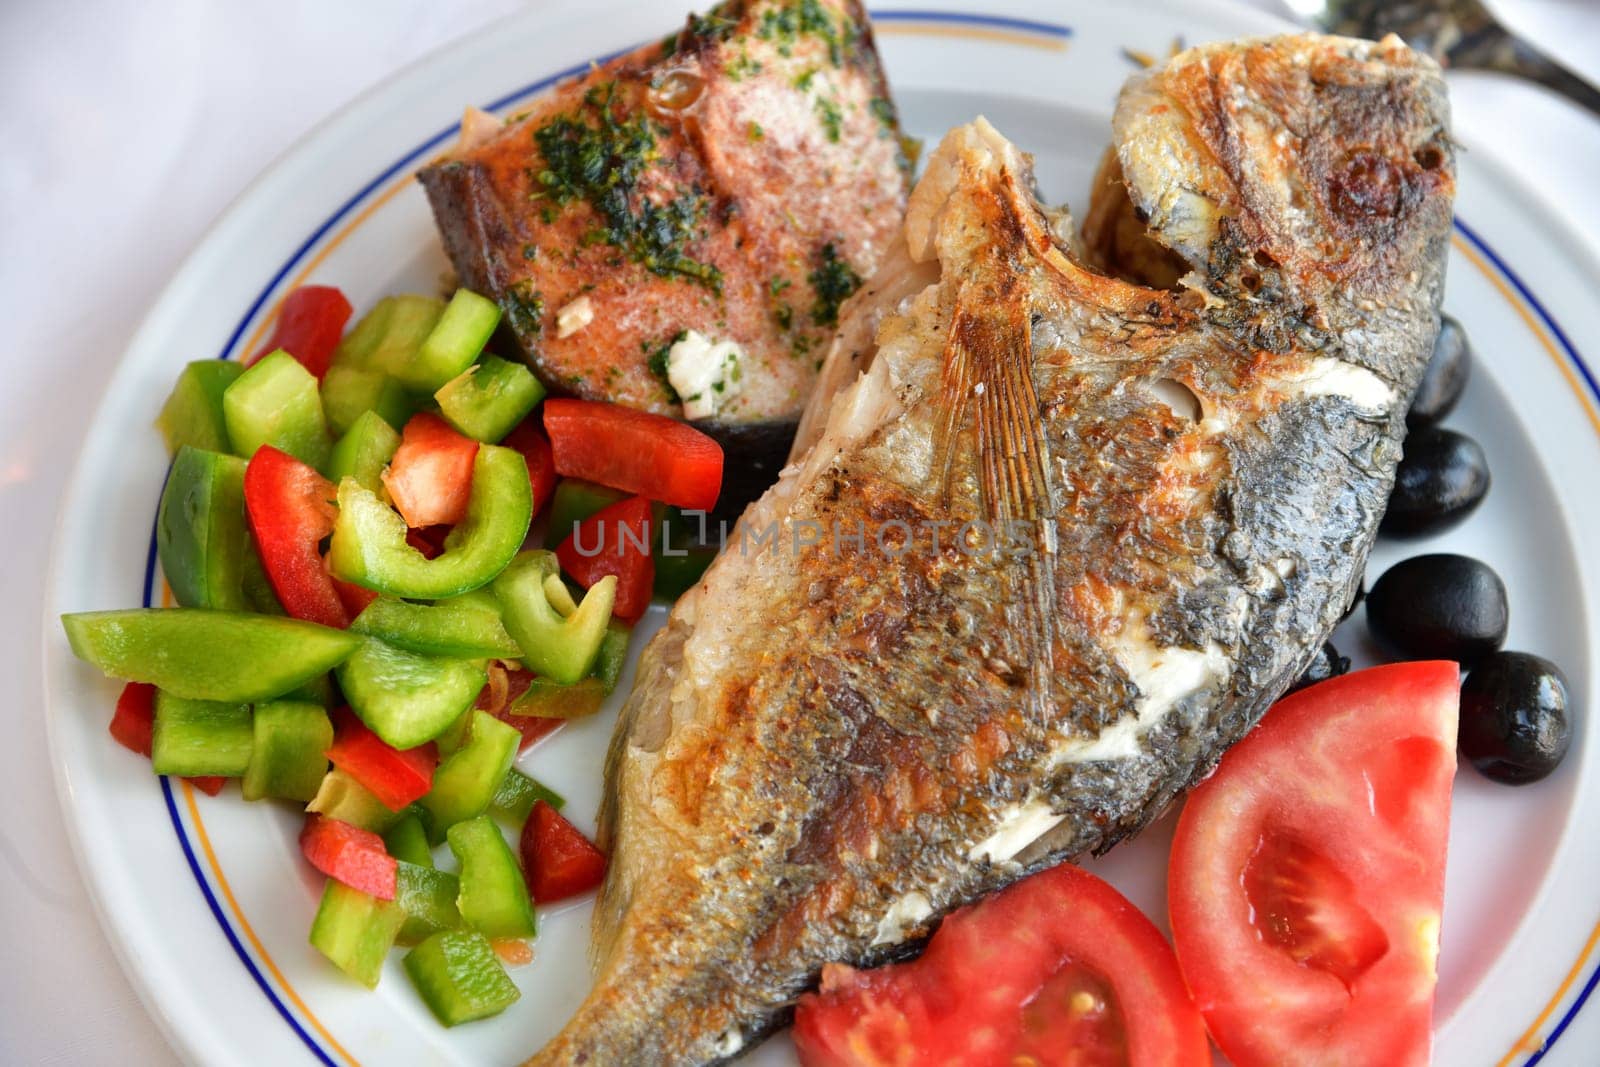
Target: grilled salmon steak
[
  {"x": 1151, "y": 506},
  {"x": 729, "y": 186}
]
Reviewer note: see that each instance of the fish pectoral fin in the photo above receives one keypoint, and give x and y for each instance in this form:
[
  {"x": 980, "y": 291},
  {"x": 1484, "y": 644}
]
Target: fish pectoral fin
[{"x": 987, "y": 380}]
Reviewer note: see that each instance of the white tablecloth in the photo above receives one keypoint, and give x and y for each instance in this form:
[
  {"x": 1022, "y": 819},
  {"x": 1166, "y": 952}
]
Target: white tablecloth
[{"x": 127, "y": 126}]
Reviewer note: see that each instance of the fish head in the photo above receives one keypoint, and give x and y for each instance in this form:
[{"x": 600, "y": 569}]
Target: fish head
[{"x": 1303, "y": 166}]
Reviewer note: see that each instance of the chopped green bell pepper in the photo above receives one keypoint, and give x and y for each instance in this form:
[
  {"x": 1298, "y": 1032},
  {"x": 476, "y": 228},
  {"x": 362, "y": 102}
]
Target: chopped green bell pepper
[
  {"x": 455, "y": 735},
  {"x": 369, "y": 540},
  {"x": 287, "y": 758},
  {"x": 318, "y": 690},
  {"x": 275, "y": 402},
  {"x": 405, "y": 698},
  {"x": 428, "y": 897},
  {"x": 547, "y": 699},
  {"x": 487, "y": 400},
  {"x": 342, "y": 797},
  {"x": 407, "y": 841},
  {"x": 573, "y": 501},
  {"x": 348, "y": 392},
  {"x": 460, "y": 978},
  {"x": 518, "y": 793},
  {"x": 453, "y": 344},
  {"x": 364, "y": 450},
  {"x": 387, "y": 337},
  {"x": 356, "y": 931},
  {"x": 208, "y": 655},
  {"x": 201, "y": 534},
  {"x": 466, "y": 780},
  {"x": 200, "y": 737},
  {"x": 193, "y": 415},
  {"x": 560, "y": 649},
  {"x": 494, "y": 899},
  {"x": 466, "y": 626}
]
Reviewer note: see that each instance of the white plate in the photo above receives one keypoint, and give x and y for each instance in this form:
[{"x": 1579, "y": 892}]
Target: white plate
[{"x": 206, "y": 900}]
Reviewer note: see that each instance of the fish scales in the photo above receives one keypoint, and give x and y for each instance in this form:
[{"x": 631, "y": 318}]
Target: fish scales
[{"x": 829, "y": 747}]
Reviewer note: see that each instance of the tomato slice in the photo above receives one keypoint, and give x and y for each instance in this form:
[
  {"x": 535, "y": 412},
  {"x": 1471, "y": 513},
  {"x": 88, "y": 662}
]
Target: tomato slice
[
  {"x": 559, "y": 861},
  {"x": 291, "y": 509},
  {"x": 528, "y": 439},
  {"x": 430, "y": 477},
  {"x": 395, "y": 776},
  {"x": 1307, "y": 875},
  {"x": 310, "y": 323},
  {"x": 1057, "y": 969},
  {"x": 354, "y": 856},
  {"x": 614, "y": 541},
  {"x": 634, "y": 451}
]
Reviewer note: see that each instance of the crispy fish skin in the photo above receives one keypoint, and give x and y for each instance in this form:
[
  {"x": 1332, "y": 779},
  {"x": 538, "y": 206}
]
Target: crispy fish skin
[
  {"x": 748, "y": 172},
  {"x": 827, "y": 748}
]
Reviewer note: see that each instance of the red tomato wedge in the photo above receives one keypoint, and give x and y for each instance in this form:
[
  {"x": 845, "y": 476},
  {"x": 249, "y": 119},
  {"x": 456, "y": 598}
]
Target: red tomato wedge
[
  {"x": 558, "y": 860},
  {"x": 1057, "y": 969},
  {"x": 614, "y": 540},
  {"x": 350, "y": 854},
  {"x": 291, "y": 508},
  {"x": 430, "y": 477},
  {"x": 310, "y": 322},
  {"x": 634, "y": 451},
  {"x": 1307, "y": 875},
  {"x": 528, "y": 439},
  {"x": 395, "y": 776}
]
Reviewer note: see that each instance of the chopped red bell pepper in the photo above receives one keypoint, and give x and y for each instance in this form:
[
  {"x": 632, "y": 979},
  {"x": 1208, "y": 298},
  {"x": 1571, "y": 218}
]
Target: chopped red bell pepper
[
  {"x": 614, "y": 540},
  {"x": 134, "y": 721},
  {"x": 634, "y": 451},
  {"x": 349, "y": 854},
  {"x": 355, "y": 598},
  {"x": 528, "y": 439},
  {"x": 310, "y": 322},
  {"x": 504, "y": 687},
  {"x": 291, "y": 509},
  {"x": 395, "y": 776},
  {"x": 558, "y": 861},
  {"x": 429, "y": 540},
  {"x": 430, "y": 477},
  {"x": 135, "y": 717}
]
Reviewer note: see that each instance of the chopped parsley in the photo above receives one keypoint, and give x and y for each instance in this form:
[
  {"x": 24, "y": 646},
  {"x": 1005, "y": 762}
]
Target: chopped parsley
[
  {"x": 754, "y": 131},
  {"x": 713, "y": 25},
  {"x": 883, "y": 111},
  {"x": 830, "y": 116},
  {"x": 833, "y": 281},
  {"x": 525, "y": 309},
  {"x": 602, "y": 163},
  {"x": 785, "y": 25},
  {"x": 658, "y": 365},
  {"x": 742, "y": 66}
]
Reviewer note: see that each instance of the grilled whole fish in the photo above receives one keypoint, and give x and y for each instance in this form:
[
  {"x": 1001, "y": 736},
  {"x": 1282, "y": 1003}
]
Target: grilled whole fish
[
  {"x": 831, "y": 745},
  {"x": 738, "y": 179}
]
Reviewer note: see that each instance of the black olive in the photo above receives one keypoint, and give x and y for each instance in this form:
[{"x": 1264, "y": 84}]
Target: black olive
[
  {"x": 1327, "y": 664},
  {"x": 1442, "y": 478},
  {"x": 1439, "y": 607},
  {"x": 1515, "y": 723},
  {"x": 1445, "y": 377}
]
